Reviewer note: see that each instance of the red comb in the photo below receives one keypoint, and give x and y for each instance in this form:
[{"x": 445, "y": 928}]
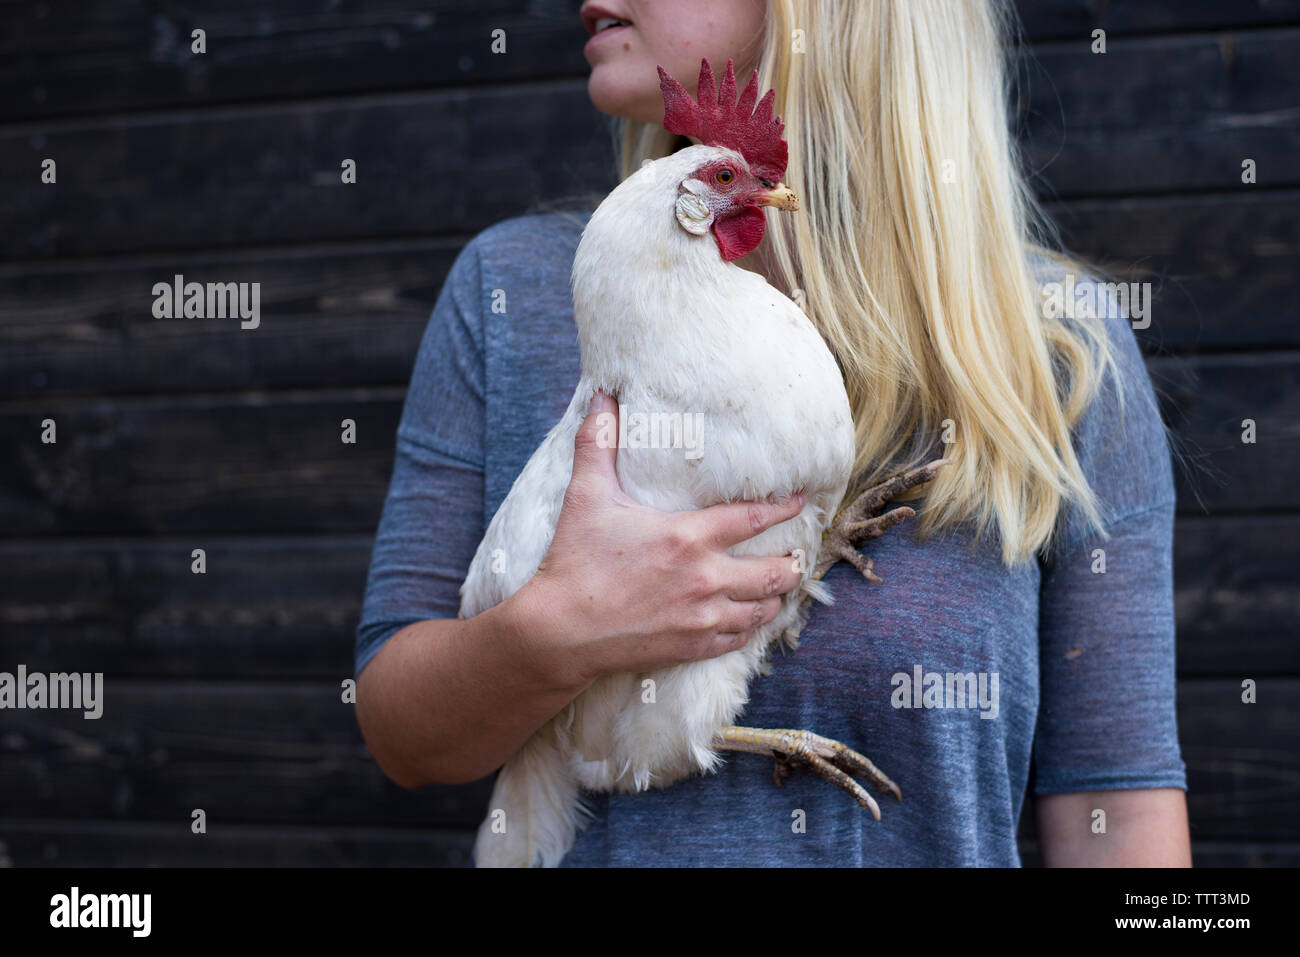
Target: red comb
[{"x": 719, "y": 120}]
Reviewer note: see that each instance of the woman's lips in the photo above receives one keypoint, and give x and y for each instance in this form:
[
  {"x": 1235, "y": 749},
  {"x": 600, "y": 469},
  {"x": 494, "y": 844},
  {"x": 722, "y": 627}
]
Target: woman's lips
[{"x": 603, "y": 35}]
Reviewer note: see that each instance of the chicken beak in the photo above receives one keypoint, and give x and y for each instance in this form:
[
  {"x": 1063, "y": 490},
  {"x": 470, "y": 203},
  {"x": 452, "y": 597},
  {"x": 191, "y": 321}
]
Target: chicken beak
[{"x": 781, "y": 196}]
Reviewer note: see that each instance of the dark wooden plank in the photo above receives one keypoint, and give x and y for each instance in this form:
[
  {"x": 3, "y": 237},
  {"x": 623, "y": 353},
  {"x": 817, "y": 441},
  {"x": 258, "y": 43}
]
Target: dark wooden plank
[
  {"x": 1243, "y": 781},
  {"x": 1047, "y": 19},
  {"x": 1205, "y": 400},
  {"x": 457, "y": 161},
  {"x": 427, "y": 163},
  {"x": 1236, "y": 600},
  {"x": 335, "y": 317},
  {"x": 265, "y": 609},
  {"x": 264, "y": 463},
  {"x": 48, "y": 843},
  {"x": 1222, "y": 267},
  {"x": 262, "y": 753},
  {"x": 60, "y": 58},
  {"x": 257, "y": 462},
  {"x": 245, "y": 753},
  {"x": 1163, "y": 114},
  {"x": 281, "y": 608}
]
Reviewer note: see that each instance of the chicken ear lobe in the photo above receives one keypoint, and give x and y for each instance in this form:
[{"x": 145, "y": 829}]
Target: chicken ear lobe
[{"x": 740, "y": 233}]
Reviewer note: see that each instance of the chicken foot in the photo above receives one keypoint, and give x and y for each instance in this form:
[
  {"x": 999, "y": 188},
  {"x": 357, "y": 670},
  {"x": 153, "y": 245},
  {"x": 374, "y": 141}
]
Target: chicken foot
[
  {"x": 859, "y": 522},
  {"x": 835, "y": 762}
]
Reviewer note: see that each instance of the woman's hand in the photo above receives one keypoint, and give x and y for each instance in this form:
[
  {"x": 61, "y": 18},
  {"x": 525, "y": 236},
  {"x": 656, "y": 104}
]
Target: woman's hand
[
  {"x": 626, "y": 588},
  {"x": 623, "y": 588}
]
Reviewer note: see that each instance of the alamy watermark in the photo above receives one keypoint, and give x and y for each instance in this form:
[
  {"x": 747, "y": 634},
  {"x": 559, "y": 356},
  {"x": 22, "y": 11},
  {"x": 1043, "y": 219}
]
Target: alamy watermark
[
  {"x": 179, "y": 299},
  {"x": 652, "y": 430},
  {"x": 60, "y": 690},
  {"x": 939, "y": 689},
  {"x": 75, "y": 909},
  {"x": 1075, "y": 299}
]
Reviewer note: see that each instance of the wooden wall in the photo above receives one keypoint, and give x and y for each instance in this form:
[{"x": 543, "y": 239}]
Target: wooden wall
[{"x": 224, "y": 689}]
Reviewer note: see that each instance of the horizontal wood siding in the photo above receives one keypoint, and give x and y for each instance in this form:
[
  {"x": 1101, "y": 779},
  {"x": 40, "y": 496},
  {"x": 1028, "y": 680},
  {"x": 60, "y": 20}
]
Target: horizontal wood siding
[{"x": 224, "y": 691}]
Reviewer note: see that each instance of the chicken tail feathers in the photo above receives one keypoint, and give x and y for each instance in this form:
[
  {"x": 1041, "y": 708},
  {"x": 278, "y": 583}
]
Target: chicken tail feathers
[
  {"x": 818, "y": 591},
  {"x": 535, "y": 812}
]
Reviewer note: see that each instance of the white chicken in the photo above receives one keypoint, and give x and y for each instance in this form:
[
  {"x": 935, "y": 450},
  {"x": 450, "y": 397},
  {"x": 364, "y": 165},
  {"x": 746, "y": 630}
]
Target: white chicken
[{"x": 668, "y": 324}]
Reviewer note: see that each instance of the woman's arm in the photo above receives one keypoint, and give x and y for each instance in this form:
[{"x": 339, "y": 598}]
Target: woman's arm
[
  {"x": 623, "y": 588},
  {"x": 448, "y": 701},
  {"x": 1107, "y": 731},
  {"x": 1142, "y": 828}
]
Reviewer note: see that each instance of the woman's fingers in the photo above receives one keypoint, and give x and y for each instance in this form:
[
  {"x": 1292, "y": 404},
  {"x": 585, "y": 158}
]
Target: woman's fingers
[
  {"x": 739, "y": 622},
  {"x": 752, "y": 579},
  {"x": 742, "y": 616},
  {"x": 734, "y": 522}
]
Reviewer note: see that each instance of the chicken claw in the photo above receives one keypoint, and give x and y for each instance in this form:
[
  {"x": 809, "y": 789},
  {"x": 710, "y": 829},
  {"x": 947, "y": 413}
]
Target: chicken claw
[
  {"x": 828, "y": 758},
  {"x": 858, "y": 523}
]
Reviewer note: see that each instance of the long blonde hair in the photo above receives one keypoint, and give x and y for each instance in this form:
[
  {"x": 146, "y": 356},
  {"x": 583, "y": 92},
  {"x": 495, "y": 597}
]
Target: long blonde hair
[{"x": 913, "y": 252}]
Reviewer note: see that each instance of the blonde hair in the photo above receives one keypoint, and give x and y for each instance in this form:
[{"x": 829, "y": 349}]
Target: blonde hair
[{"x": 913, "y": 252}]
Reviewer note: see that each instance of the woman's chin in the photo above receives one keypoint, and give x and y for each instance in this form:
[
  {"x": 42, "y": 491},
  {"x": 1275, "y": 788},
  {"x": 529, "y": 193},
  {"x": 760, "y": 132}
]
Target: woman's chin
[{"x": 614, "y": 90}]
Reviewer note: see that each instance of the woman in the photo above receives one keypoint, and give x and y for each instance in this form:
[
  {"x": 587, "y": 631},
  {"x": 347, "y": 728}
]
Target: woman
[{"x": 1039, "y": 565}]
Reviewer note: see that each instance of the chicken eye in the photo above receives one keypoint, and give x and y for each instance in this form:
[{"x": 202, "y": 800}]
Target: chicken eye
[{"x": 725, "y": 176}]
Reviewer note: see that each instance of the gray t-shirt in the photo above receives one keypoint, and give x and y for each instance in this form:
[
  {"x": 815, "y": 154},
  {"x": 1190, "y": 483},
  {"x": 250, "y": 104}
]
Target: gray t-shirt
[{"x": 1075, "y": 663}]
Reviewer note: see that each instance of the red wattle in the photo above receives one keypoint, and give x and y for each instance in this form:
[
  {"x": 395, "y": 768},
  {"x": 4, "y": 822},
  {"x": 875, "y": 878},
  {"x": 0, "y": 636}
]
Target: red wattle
[{"x": 740, "y": 233}]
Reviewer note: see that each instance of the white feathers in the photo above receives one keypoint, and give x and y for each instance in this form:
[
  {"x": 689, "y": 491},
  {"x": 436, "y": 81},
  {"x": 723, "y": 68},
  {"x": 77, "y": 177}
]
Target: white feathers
[
  {"x": 666, "y": 326},
  {"x": 818, "y": 592}
]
